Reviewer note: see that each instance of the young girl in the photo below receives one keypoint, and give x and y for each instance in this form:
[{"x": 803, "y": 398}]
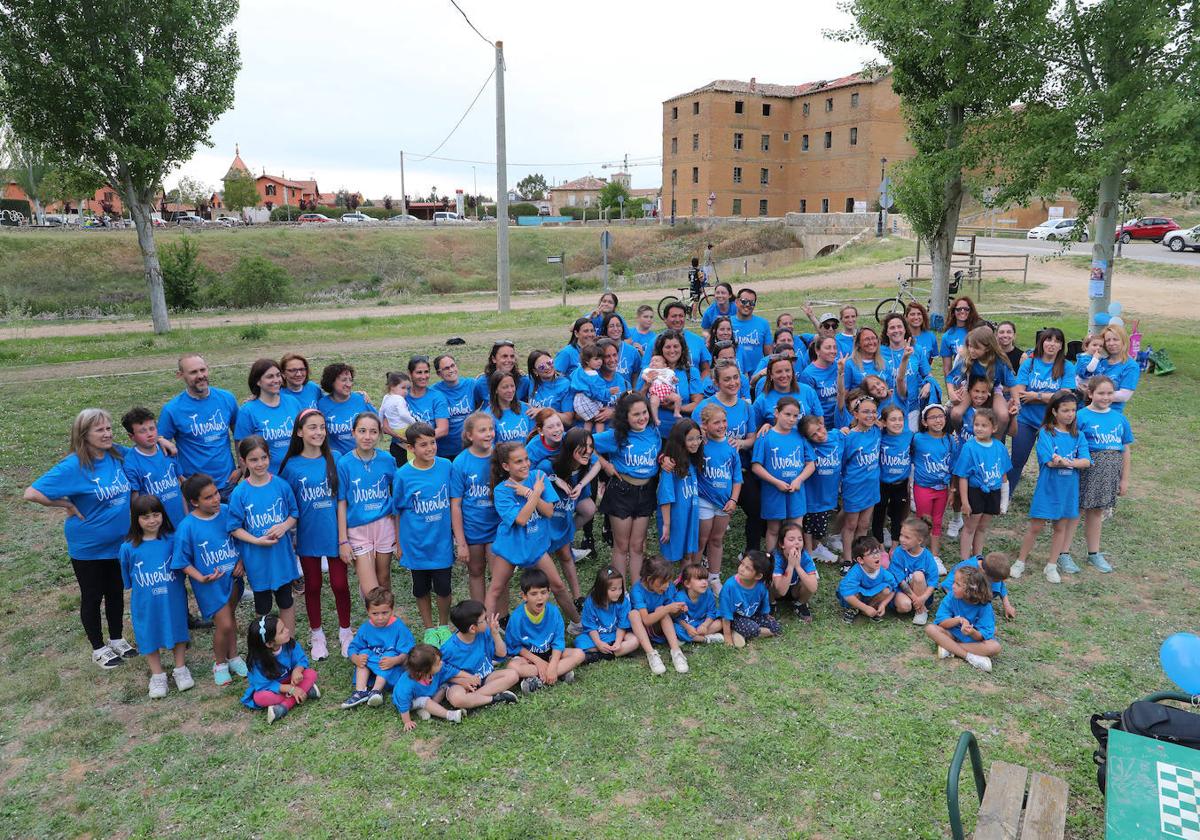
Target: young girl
[
  {"x": 721, "y": 307},
  {"x": 739, "y": 433},
  {"x": 980, "y": 468},
  {"x": 914, "y": 570},
  {"x": 782, "y": 460},
  {"x": 472, "y": 514},
  {"x": 795, "y": 573},
  {"x": 981, "y": 356},
  {"x": 719, "y": 483},
  {"x": 860, "y": 474},
  {"x": 678, "y": 494},
  {"x": 610, "y": 629},
  {"x": 1087, "y": 363},
  {"x": 503, "y": 356},
  {"x": 631, "y": 448},
  {"x": 895, "y": 469},
  {"x": 340, "y": 405},
  {"x": 279, "y": 673},
  {"x": 700, "y": 621},
  {"x": 524, "y": 503},
  {"x": 310, "y": 469},
  {"x": 652, "y": 600},
  {"x": 158, "y": 601},
  {"x": 206, "y": 553},
  {"x": 571, "y": 471},
  {"x": 422, "y": 688},
  {"x": 962, "y": 416},
  {"x": 591, "y": 393},
  {"x": 823, "y": 487},
  {"x": 421, "y": 498},
  {"x": 512, "y": 416},
  {"x": 1062, "y": 452},
  {"x": 262, "y": 510},
  {"x": 744, "y": 604},
  {"x": 933, "y": 454},
  {"x": 393, "y": 411},
  {"x": 965, "y": 625},
  {"x": 366, "y": 530},
  {"x": 1040, "y": 377},
  {"x": 1108, "y": 436}
]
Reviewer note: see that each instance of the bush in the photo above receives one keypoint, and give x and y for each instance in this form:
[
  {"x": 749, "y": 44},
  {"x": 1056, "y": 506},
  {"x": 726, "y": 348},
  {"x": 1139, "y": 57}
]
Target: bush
[
  {"x": 181, "y": 274},
  {"x": 522, "y": 208},
  {"x": 256, "y": 281},
  {"x": 253, "y": 332}
]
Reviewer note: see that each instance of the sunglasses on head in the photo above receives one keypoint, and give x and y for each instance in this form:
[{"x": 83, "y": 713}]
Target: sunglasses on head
[{"x": 504, "y": 342}]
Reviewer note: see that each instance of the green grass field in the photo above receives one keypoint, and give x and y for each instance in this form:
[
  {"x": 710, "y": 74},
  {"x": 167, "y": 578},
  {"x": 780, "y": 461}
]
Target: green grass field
[{"x": 831, "y": 731}]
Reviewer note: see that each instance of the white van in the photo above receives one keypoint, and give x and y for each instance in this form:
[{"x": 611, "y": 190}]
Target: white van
[{"x": 445, "y": 216}]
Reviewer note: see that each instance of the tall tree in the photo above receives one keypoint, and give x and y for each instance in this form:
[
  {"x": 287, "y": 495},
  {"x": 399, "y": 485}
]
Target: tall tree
[
  {"x": 955, "y": 64},
  {"x": 533, "y": 186},
  {"x": 128, "y": 89},
  {"x": 240, "y": 191},
  {"x": 612, "y": 195},
  {"x": 194, "y": 192}
]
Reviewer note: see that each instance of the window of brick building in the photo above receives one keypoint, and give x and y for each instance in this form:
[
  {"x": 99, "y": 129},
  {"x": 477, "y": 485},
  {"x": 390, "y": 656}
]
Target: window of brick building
[
  {"x": 695, "y": 108},
  {"x": 850, "y": 204},
  {"x": 853, "y": 136},
  {"x": 824, "y": 205},
  {"x": 270, "y": 189},
  {"x": 828, "y": 139},
  {"x": 675, "y": 112},
  {"x": 766, "y": 109},
  {"x": 805, "y": 109},
  {"x": 695, "y": 205},
  {"x": 762, "y": 207},
  {"x": 804, "y": 143},
  {"x": 766, "y": 142},
  {"x": 739, "y": 106},
  {"x": 737, "y": 174},
  {"x": 787, "y": 136},
  {"x": 829, "y": 104},
  {"x": 674, "y": 145},
  {"x": 803, "y": 205},
  {"x": 854, "y": 100},
  {"x": 764, "y": 176},
  {"x": 695, "y": 142},
  {"x": 695, "y": 174},
  {"x": 737, "y": 141},
  {"x": 737, "y": 207}
]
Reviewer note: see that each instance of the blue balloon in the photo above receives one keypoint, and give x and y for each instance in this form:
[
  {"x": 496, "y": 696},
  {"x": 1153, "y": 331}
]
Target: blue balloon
[
  {"x": 1102, "y": 318},
  {"x": 1180, "y": 658},
  {"x": 1114, "y": 308}
]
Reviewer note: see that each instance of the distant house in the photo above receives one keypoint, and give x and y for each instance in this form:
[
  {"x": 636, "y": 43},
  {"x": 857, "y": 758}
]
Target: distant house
[
  {"x": 105, "y": 200},
  {"x": 582, "y": 192},
  {"x": 275, "y": 190}
]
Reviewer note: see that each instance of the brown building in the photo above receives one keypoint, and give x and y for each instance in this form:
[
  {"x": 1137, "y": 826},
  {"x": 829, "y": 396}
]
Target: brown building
[
  {"x": 765, "y": 150},
  {"x": 582, "y": 192},
  {"x": 274, "y": 191}
]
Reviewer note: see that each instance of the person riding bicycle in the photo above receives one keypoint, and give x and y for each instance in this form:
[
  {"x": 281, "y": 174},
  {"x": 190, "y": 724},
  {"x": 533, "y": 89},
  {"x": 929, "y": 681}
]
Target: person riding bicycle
[{"x": 696, "y": 279}]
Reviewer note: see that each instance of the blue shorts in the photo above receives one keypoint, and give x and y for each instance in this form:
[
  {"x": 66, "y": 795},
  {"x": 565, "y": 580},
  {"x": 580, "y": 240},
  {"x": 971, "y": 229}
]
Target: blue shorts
[{"x": 778, "y": 505}]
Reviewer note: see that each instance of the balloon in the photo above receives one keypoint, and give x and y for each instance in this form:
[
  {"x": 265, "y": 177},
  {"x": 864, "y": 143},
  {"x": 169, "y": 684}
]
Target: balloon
[
  {"x": 1114, "y": 308},
  {"x": 1180, "y": 658},
  {"x": 1102, "y": 318},
  {"x": 1116, "y": 321}
]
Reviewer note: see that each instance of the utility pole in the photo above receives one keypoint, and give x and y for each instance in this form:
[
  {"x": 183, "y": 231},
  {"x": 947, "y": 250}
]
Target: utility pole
[
  {"x": 403, "y": 200},
  {"x": 501, "y": 185}
]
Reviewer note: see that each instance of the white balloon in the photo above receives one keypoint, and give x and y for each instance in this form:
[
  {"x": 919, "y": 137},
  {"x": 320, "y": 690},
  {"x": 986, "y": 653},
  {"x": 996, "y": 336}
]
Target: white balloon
[
  {"x": 1117, "y": 321},
  {"x": 1114, "y": 308}
]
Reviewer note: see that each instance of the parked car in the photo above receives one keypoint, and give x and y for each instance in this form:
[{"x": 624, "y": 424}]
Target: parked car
[
  {"x": 446, "y": 217},
  {"x": 487, "y": 218},
  {"x": 1181, "y": 240},
  {"x": 1057, "y": 229},
  {"x": 305, "y": 218},
  {"x": 358, "y": 219},
  {"x": 1153, "y": 228},
  {"x": 189, "y": 219},
  {"x": 227, "y": 221},
  {"x": 403, "y": 219}
]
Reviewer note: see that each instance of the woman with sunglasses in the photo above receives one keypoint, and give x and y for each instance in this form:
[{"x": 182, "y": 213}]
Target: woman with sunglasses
[
  {"x": 425, "y": 404},
  {"x": 459, "y": 395},
  {"x": 544, "y": 388},
  {"x": 964, "y": 317},
  {"x": 502, "y": 357},
  {"x": 583, "y": 333}
]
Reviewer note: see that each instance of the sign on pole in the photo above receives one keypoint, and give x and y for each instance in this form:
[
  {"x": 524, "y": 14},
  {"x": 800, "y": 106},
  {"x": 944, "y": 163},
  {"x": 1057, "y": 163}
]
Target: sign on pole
[
  {"x": 885, "y": 194},
  {"x": 561, "y": 261}
]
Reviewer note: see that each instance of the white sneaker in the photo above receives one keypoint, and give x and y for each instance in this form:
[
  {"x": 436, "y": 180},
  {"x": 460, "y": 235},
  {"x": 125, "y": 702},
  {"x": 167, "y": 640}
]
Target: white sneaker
[
  {"x": 714, "y": 583},
  {"x": 714, "y": 639},
  {"x": 656, "y": 664},
  {"x": 941, "y": 567},
  {"x": 1004, "y": 497},
  {"x": 887, "y": 540},
  {"x": 956, "y": 525},
  {"x": 922, "y": 618},
  {"x": 454, "y": 716},
  {"x": 422, "y": 713},
  {"x": 679, "y": 661},
  {"x": 739, "y": 641},
  {"x": 943, "y": 653},
  {"x": 158, "y": 686},
  {"x": 106, "y": 658},
  {"x": 822, "y": 554},
  {"x": 324, "y": 565},
  {"x": 983, "y": 663},
  {"x": 1052, "y": 574},
  {"x": 580, "y": 553},
  {"x": 122, "y": 648},
  {"x": 317, "y": 647},
  {"x": 1108, "y": 513},
  {"x": 1017, "y": 569},
  {"x": 183, "y": 678},
  {"x": 345, "y": 636},
  {"x": 835, "y": 543}
]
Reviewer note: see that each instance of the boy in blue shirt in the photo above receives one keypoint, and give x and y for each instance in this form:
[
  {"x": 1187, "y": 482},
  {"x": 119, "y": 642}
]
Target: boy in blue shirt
[
  {"x": 150, "y": 470},
  {"x": 380, "y": 647},
  {"x": 422, "y": 688},
  {"x": 744, "y": 603},
  {"x": 469, "y": 654},
  {"x": 997, "y": 568},
  {"x": 867, "y": 588},
  {"x": 536, "y": 637}
]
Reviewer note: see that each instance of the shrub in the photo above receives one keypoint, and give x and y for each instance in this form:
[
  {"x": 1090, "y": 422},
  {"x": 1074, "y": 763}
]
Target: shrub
[
  {"x": 522, "y": 208},
  {"x": 181, "y": 273},
  {"x": 257, "y": 281},
  {"x": 253, "y": 332}
]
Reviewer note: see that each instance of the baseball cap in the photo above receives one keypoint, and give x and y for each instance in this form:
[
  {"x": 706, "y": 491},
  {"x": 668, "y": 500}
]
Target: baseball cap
[{"x": 829, "y": 316}]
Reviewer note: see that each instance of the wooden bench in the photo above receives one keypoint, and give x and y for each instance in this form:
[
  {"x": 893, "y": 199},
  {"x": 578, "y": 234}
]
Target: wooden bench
[{"x": 1006, "y": 811}]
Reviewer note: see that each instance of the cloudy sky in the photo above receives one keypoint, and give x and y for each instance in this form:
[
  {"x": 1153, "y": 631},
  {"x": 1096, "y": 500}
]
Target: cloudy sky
[{"x": 584, "y": 84}]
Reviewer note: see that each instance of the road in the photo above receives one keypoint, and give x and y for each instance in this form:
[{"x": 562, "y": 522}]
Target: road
[{"x": 1143, "y": 251}]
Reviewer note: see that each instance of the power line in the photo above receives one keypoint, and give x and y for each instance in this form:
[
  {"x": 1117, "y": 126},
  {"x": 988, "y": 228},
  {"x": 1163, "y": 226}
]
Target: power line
[
  {"x": 468, "y": 20},
  {"x": 649, "y": 160},
  {"x": 463, "y": 117}
]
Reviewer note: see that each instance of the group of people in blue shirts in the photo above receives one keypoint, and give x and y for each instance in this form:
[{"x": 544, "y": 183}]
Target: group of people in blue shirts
[{"x": 829, "y": 441}]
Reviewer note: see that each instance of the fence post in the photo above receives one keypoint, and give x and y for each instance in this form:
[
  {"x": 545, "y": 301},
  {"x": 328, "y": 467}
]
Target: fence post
[
  {"x": 1025, "y": 273},
  {"x": 563, "y": 265}
]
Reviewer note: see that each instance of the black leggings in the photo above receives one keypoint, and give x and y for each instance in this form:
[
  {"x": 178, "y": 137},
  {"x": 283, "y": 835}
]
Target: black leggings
[
  {"x": 893, "y": 503},
  {"x": 750, "y": 501},
  {"x": 100, "y": 580}
]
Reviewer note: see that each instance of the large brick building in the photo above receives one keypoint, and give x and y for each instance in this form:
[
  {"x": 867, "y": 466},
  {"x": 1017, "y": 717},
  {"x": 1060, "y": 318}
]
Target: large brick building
[{"x": 765, "y": 150}]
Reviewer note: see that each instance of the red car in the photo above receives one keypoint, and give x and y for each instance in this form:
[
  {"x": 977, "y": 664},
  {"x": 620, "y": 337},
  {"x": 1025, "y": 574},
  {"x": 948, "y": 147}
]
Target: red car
[
  {"x": 313, "y": 217},
  {"x": 1153, "y": 228}
]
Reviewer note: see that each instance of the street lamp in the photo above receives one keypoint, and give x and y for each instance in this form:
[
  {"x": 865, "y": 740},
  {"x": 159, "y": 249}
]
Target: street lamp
[{"x": 879, "y": 228}]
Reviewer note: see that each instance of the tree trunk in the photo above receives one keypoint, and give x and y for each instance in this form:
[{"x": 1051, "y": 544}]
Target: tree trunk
[
  {"x": 941, "y": 248},
  {"x": 140, "y": 208},
  {"x": 1103, "y": 243}
]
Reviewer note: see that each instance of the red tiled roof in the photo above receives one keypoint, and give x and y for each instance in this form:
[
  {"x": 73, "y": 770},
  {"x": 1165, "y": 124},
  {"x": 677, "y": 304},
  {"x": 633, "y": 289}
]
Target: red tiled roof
[
  {"x": 587, "y": 182},
  {"x": 782, "y": 91}
]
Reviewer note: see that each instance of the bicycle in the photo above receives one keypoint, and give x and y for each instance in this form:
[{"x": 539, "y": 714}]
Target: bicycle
[
  {"x": 904, "y": 296},
  {"x": 694, "y": 296}
]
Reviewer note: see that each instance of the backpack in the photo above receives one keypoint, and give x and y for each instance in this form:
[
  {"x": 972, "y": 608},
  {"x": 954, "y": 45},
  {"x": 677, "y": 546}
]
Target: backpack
[{"x": 1150, "y": 720}]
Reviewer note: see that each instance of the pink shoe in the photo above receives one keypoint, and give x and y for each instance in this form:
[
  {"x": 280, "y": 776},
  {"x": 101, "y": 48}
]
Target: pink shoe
[{"x": 346, "y": 636}]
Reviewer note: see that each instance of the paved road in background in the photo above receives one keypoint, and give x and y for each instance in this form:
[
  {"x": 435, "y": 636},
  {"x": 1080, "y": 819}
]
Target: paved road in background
[{"x": 1143, "y": 251}]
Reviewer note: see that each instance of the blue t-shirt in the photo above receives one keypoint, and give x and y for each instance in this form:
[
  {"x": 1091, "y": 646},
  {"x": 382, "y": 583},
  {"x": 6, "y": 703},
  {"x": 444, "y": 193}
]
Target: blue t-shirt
[
  {"x": 339, "y": 419},
  {"x": 562, "y": 523},
  {"x": 257, "y": 510},
  {"x": 307, "y": 397},
  {"x": 858, "y": 583},
  {"x": 540, "y": 455},
  {"x": 567, "y": 359},
  {"x": 783, "y": 456},
  {"x": 999, "y": 374},
  {"x": 698, "y": 353},
  {"x": 738, "y": 417},
  {"x": 588, "y": 382},
  {"x": 460, "y": 402},
  {"x": 598, "y": 321},
  {"x": 555, "y": 394},
  {"x": 156, "y": 475},
  {"x": 925, "y": 345},
  {"x": 983, "y": 465},
  {"x": 806, "y": 565},
  {"x": 698, "y": 611},
  {"x": 512, "y": 425},
  {"x": 475, "y": 657},
  {"x": 753, "y": 336},
  {"x": 1056, "y": 495},
  {"x": 604, "y": 620},
  {"x": 1125, "y": 375},
  {"x": 845, "y": 343},
  {"x": 643, "y": 598},
  {"x": 722, "y": 469},
  {"x": 316, "y": 528},
  {"x": 916, "y": 373},
  {"x": 365, "y": 486},
  {"x": 765, "y": 404},
  {"x": 407, "y": 689},
  {"x": 290, "y": 657},
  {"x": 999, "y": 588},
  {"x": 274, "y": 425},
  {"x": 101, "y": 493},
  {"x": 471, "y": 482},
  {"x": 682, "y": 495},
  {"x": 200, "y": 429},
  {"x": 629, "y": 362},
  {"x": 981, "y": 616},
  {"x": 429, "y": 408},
  {"x": 688, "y": 386},
  {"x": 542, "y": 636},
  {"x": 644, "y": 341},
  {"x": 637, "y": 457},
  {"x": 895, "y": 457},
  {"x": 157, "y": 599},
  {"x": 1038, "y": 377},
  {"x": 856, "y": 372},
  {"x": 824, "y": 382},
  {"x": 521, "y": 545},
  {"x": 393, "y": 639},
  {"x": 205, "y": 545},
  {"x": 932, "y": 459},
  {"x": 737, "y": 600},
  {"x": 903, "y": 565},
  {"x": 860, "y": 468},
  {"x": 822, "y": 487},
  {"x": 713, "y": 312},
  {"x": 952, "y": 339},
  {"x": 1104, "y": 430},
  {"x": 422, "y": 500}
]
